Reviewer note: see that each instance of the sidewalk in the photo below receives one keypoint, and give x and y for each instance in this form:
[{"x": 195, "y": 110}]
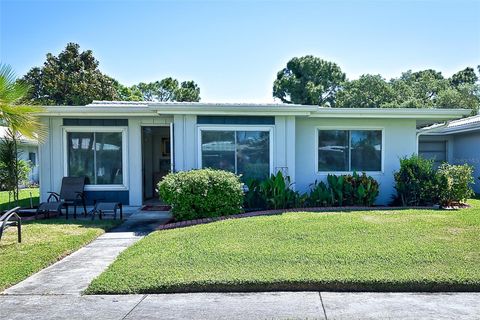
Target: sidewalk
[
  {"x": 73, "y": 274},
  {"x": 55, "y": 293},
  {"x": 267, "y": 305}
]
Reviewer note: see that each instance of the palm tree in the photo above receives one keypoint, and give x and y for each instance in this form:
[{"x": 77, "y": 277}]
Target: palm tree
[{"x": 19, "y": 118}]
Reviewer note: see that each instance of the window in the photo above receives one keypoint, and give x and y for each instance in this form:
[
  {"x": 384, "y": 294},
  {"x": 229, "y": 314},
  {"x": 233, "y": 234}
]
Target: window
[
  {"x": 244, "y": 152},
  {"x": 433, "y": 150},
  {"x": 32, "y": 157},
  {"x": 97, "y": 156},
  {"x": 349, "y": 150}
]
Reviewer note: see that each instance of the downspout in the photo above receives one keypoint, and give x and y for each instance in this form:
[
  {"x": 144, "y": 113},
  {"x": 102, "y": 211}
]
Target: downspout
[{"x": 429, "y": 130}]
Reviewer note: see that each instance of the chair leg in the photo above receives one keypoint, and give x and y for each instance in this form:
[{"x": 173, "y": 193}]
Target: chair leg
[
  {"x": 84, "y": 208},
  {"x": 66, "y": 212},
  {"x": 19, "y": 231},
  {"x": 121, "y": 212},
  {"x": 74, "y": 211}
]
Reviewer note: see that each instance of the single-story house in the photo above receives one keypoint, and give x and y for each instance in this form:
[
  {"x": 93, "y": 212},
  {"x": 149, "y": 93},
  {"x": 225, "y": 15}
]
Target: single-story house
[
  {"x": 456, "y": 142},
  {"x": 125, "y": 148},
  {"x": 28, "y": 151}
]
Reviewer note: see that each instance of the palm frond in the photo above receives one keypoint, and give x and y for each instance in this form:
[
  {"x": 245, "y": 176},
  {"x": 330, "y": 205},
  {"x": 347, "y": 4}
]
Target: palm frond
[{"x": 19, "y": 118}]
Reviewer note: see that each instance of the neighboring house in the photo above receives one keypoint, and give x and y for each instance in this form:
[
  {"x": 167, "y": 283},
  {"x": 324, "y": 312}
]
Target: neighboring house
[
  {"x": 125, "y": 148},
  {"x": 456, "y": 142},
  {"x": 28, "y": 150}
]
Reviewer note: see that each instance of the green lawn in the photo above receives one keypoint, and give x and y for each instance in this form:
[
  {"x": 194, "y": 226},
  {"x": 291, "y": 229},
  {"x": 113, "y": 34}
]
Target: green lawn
[
  {"x": 384, "y": 250},
  {"x": 44, "y": 242},
  {"x": 24, "y": 197}
]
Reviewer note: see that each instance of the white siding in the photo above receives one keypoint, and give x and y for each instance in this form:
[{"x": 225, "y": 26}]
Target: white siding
[{"x": 399, "y": 141}]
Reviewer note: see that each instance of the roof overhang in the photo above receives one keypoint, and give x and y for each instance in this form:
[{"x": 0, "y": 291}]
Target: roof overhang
[{"x": 124, "y": 109}]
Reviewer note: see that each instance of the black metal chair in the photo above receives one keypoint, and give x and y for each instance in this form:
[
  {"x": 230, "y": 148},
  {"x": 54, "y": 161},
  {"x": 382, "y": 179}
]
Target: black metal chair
[
  {"x": 71, "y": 194},
  {"x": 11, "y": 219}
]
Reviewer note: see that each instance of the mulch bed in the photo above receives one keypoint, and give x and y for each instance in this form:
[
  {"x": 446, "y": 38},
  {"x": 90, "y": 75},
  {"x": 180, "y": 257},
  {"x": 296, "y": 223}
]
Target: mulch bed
[
  {"x": 156, "y": 208},
  {"x": 188, "y": 223}
]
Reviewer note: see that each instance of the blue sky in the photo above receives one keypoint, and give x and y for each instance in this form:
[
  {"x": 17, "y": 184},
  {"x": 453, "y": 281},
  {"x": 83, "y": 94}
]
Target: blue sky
[{"x": 233, "y": 49}]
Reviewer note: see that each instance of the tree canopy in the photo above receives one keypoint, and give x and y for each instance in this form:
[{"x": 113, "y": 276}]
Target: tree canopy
[
  {"x": 71, "y": 78},
  {"x": 168, "y": 89},
  {"x": 74, "y": 78},
  {"x": 311, "y": 80},
  {"x": 308, "y": 80}
]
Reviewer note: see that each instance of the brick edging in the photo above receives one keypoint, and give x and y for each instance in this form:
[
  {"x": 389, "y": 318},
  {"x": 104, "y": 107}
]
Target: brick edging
[{"x": 188, "y": 223}]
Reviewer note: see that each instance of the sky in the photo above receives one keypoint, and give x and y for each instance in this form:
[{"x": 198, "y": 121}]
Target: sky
[{"x": 234, "y": 49}]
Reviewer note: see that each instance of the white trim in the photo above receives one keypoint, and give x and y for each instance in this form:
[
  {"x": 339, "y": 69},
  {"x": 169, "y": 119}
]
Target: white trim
[
  {"x": 222, "y": 127},
  {"x": 125, "y": 171},
  {"x": 350, "y": 128},
  {"x": 118, "y": 109}
]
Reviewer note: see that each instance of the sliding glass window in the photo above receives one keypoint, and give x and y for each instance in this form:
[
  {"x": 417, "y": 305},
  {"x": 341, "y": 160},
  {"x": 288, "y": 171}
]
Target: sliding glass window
[
  {"x": 97, "y": 156},
  {"x": 244, "y": 152},
  {"x": 349, "y": 150}
]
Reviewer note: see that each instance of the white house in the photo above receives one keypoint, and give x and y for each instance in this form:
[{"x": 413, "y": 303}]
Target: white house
[
  {"x": 28, "y": 151},
  {"x": 456, "y": 142},
  {"x": 125, "y": 148}
]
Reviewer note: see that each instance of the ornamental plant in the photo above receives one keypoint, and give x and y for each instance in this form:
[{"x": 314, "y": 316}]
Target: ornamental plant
[
  {"x": 415, "y": 182},
  {"x": 454, "y": 183},
  {"x": 202, "y": 193}
]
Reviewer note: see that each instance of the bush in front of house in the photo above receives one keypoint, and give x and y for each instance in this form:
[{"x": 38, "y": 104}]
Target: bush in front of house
[
  {"x": 418, "y": 183},
  {"x": 202, "y": 193},
  {"x": 454, "y": 183},
  {"x": 344, "y": 190},
  {"x": 274, "y": 192},
  {"x": 415, "y": 182}
]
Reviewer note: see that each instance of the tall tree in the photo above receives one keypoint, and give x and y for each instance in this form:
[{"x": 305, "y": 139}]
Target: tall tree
[
  {"x": 188, "y": 91},
  {"x": 169, "y": 89},
  {"x": 465, "y": 76},
  {"x": 308, "y": 80},
  {"x": 369, "y": 91},
  {"x": 419, "y": 89},
  {"x": 20, "y": 120},
  {"x": 71, "y": 78}
]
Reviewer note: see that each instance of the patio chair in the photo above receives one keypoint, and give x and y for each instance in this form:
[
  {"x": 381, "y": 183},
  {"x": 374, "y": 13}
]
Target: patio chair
[
  {"x": 71, "y": 194},
  {"x": 11, "y": 219}
]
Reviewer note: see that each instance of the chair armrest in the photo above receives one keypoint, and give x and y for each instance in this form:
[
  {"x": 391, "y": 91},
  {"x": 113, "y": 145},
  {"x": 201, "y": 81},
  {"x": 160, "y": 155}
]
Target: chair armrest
[
  {"x": 54, "y": 195},
  {"x": 9, "y": 214}
]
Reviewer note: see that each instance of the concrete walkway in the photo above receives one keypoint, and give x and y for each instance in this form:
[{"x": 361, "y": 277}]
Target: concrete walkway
[
  {"x": 267, "y": 305},
  {"x": 73, "y": 274},
  {"x": 55, "y": 293}
]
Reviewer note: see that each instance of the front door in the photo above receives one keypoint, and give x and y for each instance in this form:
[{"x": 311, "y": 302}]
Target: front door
[{"x": 156, "y": 159}]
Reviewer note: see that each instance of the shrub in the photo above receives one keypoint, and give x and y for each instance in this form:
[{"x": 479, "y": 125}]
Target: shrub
[
  {"x": 354, "y": 189},
  {"x": 454, "y": 183},
  {"x": 202, "y": 193},
  {"x": 415, "y": 182},
  {"x": 272, "y": 193},
  {"x": 360, "y": 190},
  {"x": 320, "y": 195}
]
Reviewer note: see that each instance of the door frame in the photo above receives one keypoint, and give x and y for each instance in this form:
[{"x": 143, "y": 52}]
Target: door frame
[{"x": 172, "y": 153}]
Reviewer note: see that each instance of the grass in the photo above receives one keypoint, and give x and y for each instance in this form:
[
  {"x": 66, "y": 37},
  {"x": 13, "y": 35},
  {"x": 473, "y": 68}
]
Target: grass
[
  {"x": 44, "y": 242},
  {"x": 383, "y": 250},
  {"x": 24, "y": 199}
]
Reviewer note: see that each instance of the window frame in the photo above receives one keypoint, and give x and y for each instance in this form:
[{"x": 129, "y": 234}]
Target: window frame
[
  {"x": 350, "y": 128},
  {"x": 235, "y": 128},
  {"x": 99, "y": 187}
]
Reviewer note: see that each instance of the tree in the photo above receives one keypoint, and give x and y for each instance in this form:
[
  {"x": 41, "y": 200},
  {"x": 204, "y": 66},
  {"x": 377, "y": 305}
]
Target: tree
[
  {"x": 465, "y": 76},
  {"x": 369, "y": 91},
  {"x": 169, "y": 89},
  {"x": 20, "y": 119},
  {"x": 308, "y": 80},
  {"x": 72, "y": 78},
  {"x": 188, "y": 91},
  {"x": 125, "y": 93}
]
